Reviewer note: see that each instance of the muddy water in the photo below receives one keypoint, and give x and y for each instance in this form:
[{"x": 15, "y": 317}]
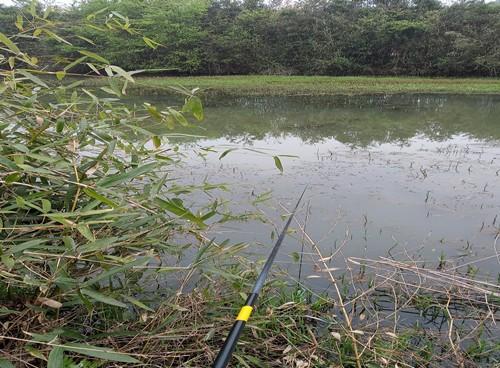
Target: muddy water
[{"x": 404, "y": 177}]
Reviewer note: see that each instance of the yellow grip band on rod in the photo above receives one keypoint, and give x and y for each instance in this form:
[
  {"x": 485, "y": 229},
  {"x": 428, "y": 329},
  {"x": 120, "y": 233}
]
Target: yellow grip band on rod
[{"x": 245, "y": 313}]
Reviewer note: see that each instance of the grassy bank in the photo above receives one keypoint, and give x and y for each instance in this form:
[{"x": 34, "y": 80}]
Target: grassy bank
[{"x": 304, "y": 85}]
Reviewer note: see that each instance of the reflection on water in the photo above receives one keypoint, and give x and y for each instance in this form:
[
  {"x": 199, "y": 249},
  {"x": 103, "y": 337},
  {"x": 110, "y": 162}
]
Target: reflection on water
[
  {"x": 353, "y": 120},
  {"x": 411, "y": 176}
]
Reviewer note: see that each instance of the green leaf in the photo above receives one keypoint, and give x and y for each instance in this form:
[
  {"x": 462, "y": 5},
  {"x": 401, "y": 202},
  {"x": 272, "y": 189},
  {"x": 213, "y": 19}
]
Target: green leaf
[
  {"x": 60, "y": 74},
  {"x": 4, "y": 311},
  {"x": 122, "y": 73},
  {"x": 8, "y": 261},
  {"x": 4, "y": 363},
  {"x": 32, "y": 78},
  {"x": 92, "y": 15},
  {"x": 194, "y": 106},
  {"x": 278, "y": 164},
  {"x": 103, "y": 298},
  {"x": 137, "y": 303},
  {"x": 110, "y": 91},
  {"x": 88, "y": 40},
  {"x": 46, "y": 205},
  {"x": 74, "y": 63},
  {"x": 151, "y": 43},
  {"x": 56, "y": 358},
  {"x": 99, "y": 352},
  {"x": 35, "y": 352},
  {"x": 100, "y": 244},
  {"x": 176, "y": 207},
  {"x": 170, "y": 122},
  {"x": 224, "y": 154},
  {"x": 69, "y": 243},
  {"x": 93, "y": 67},
  {"x": 10, "y": 45},
  {"x": 85, "y": 231},
  {"x": 55, "y": 37},
  {"x": 8, "y": 163},
  {"x": 156, "y": 141},
  {"x": 59, "y": 126},
  {"x": 178, "y": 117},
  {"x": 93, "y": 194},
  {"x": 12, "y": 178},
  {"x": 94, "y": 56},
  {"x": 126, "y": 176},
  {"x": 153, "y": 111},
  {"x": 26, "y": 245},
  {"x": 115, "y": 270},
  {"x": 19, "y": 22}
]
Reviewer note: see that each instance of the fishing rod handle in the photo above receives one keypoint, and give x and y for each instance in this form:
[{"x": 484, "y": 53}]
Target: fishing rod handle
[{"x": 226, "y": 352}]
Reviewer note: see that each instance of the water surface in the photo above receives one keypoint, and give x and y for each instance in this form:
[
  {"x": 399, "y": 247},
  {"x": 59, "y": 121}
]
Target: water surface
[{"x": 404, "y": 177}]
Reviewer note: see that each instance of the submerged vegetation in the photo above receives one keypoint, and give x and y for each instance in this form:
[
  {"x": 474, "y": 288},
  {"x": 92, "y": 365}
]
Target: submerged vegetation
[{"x": 93, "y": 229}]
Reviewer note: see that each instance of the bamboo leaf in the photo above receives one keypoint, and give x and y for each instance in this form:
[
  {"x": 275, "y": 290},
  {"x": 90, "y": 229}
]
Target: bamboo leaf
[
  {"x": 156, "y": 141},
  {"x": 178, "y": 117},
  {"x": 85, "y": 231},
  {"x": 46, "y": 205},
  {"x": 93, "y": 194},
  {"x": 10, "y": 45},
  {"x": 126, "y": 176},
  {"x": 194, "y": 106},
  {"x": 26, "y": 245},
  {"x": 55, "y": 37},
  {"x": 88, "y": 40},
  {"x": 35, "y": 352},
  {"x": 60, "y": 74},
  {"x": 99, "y": 352},
  {"x": 32, "y": 78},
  {"x": 151, "y": 43},
  {"x": 56, "y": 358},
  {"x": 103, "y": 298},
  {"x": 94, "y": 56},
  {"x": 278, "y": 164},
  {"x": 19, "y": 22},
  {"x": 73, "y": 64},
  {"x": 4, "y": 363},
  {"x": 176, "y": 207},
  {"x": 115, "y": 270},
  {"x": 122, "y": 73},
  {"x": 9, "y": 262},
  {"x": 100, "y": 244},
  {"x": 226, "y": 152},
  {"x": 137, "y": 303}
]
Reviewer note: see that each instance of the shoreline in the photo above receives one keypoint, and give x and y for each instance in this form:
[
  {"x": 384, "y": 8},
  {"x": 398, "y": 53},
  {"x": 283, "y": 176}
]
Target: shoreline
[{"x": 253, "y": 85}]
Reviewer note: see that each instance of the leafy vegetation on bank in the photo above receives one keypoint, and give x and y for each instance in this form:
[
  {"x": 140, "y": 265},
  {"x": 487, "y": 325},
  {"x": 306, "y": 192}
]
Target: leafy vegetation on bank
[
  {"x": 303, "y": 85},
  {"x": 88, "y": 211},
  {"x": 328, "y": 37}
]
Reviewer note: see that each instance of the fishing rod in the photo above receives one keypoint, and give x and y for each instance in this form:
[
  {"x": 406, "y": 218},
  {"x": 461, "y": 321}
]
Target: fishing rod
[{"x": 227, "y": 349}]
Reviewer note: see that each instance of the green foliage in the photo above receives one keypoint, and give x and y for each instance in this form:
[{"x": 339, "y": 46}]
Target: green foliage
[
  {"x": 82, "y": 195},
  {"x": 331, "y": 37}
]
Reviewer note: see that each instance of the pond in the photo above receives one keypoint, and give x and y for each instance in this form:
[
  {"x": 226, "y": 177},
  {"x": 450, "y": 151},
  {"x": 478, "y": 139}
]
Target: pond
[{"x": 407, "y": 177}]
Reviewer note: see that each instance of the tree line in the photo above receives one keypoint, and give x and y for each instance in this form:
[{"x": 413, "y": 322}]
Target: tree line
[{"x": 306, "y": 37}]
